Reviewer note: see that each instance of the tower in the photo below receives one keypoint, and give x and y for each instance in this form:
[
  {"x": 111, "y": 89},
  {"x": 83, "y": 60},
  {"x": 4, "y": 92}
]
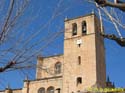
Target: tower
[{"x": 84, "y": 55}]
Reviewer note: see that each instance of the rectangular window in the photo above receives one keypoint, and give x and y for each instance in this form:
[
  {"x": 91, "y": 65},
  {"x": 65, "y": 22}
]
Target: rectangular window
[
  {"x": 79, "y": 60},
  {"x": 79, "y": 80}
]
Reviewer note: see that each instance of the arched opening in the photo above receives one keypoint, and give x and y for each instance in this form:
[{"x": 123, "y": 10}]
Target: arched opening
[
  {"x": 79, "y": 80},
  {"x": 84, "y": 27},
  {"x": 58, "y": 68},
  {"x": 50, "y": 90},
  {"x": 74, "y": 29},
  {"x": 41, "y": 90}
]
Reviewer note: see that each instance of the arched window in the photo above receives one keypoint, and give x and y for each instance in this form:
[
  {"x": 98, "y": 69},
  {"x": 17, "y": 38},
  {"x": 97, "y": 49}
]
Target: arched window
[
  {"x": 84, "y": 27},
  {"x": 50, "y": 90},
  {"x": 74, "y": 29},
  {"x": 41, "y": 90},
  {"x": 58, "y": 68}
]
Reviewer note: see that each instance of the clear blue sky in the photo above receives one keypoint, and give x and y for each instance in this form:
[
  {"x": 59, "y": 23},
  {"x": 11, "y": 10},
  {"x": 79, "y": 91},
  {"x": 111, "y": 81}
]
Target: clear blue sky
[{"x": 53, "y": 13}]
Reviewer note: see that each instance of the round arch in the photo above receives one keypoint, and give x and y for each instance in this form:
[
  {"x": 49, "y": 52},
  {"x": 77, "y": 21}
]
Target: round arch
[
  {"x": 50, "y": 89},
  {"x": 58, "y": 67},
  {"x": 41, "y": 90}
]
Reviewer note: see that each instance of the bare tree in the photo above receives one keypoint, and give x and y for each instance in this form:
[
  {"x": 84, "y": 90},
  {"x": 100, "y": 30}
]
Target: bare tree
[
  {"x": 21, "y": 40},
  {"x": 113, "y": 16},
  {"x": 117, "y": 4},
  {"x": 8, "y": 21}
]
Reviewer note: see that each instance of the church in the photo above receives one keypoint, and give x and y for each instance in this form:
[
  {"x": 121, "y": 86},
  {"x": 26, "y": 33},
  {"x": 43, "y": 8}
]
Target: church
[{"x": 81, "y": 66}]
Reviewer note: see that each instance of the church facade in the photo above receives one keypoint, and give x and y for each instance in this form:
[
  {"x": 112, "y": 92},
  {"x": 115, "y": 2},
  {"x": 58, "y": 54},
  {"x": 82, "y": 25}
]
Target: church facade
[{"x": 81, "y": 66}]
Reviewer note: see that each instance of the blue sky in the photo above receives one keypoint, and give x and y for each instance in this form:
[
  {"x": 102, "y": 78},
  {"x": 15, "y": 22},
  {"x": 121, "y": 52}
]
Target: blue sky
[{"x": 47, "y": 18}]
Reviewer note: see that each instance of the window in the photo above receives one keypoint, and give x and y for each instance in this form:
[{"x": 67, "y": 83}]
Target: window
[
  {"x": 79, "y": 80},
  {"x": 41, "y": 90},
  {"x": 74, "y": 29},
  {"x": 78, "y": 91},
  {"x": 50, "y": 90},
  {"x": 84, "y": 28},
  {"x": 79, "y": 60},
  {"x": 58, "y": 68}
]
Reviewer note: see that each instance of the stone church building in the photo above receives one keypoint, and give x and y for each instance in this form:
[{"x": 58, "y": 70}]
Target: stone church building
[{"x": 82, "y": 65}]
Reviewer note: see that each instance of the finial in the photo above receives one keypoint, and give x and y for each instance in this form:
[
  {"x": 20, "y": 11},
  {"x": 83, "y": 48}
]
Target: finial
[
  {"x": 8, "y": 86},
  {"x": 93, "y": 11},
  {"x": 108, "y": 80},
  {"x": 113, "y": 84},
  {"x": 66, "y": 18},
  {"x": 26, "y": 78}
]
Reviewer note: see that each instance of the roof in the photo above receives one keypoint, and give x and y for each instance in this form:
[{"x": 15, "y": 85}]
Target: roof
[{"x": 48, "y": 56}]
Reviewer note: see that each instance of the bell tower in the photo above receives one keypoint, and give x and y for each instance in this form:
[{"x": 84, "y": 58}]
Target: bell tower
[{"x": 84, "y": 55}]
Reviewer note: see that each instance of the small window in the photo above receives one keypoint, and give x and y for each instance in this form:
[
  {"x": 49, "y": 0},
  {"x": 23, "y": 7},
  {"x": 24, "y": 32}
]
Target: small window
[
  {"x": 79, "y": 45},
  {"x": 79, "y": 60},
  {"x": 79, "y": 80},
  {"x": 78, "y": 91},
  {"x": 41, "y": 90},
  {"x": 74, "y": 29},
  {"x": 58, "y": 68},
  {"x": 84, "y": 27}
]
